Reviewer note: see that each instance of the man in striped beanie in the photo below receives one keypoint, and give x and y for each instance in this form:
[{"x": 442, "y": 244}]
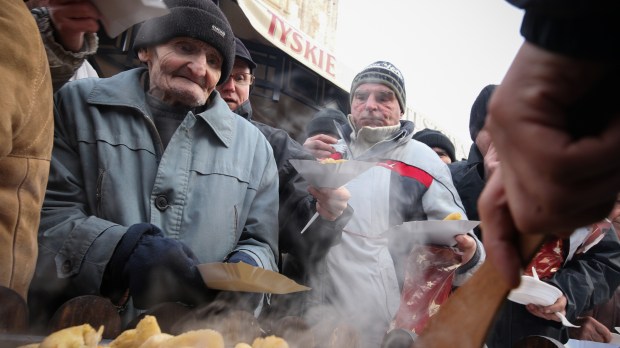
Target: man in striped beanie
[{"x": 408, "y": 182}]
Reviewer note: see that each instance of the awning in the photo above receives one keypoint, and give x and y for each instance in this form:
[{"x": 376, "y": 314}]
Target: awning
[{"x": 281, "y": 33}]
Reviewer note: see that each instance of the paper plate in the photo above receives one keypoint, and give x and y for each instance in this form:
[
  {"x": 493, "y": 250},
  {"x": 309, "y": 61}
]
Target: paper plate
[
  {"x": 332, "y": 175},
  {"x": 534, "y": 291},
  {"x": 243, "y": 277},
  {"x": 615, "y": 339},
  {"x": 438, "y": 232}
]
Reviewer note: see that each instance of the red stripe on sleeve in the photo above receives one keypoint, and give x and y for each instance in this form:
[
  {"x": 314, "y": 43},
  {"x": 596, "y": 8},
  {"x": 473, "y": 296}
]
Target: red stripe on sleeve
[{"x": 404, "y": 169}]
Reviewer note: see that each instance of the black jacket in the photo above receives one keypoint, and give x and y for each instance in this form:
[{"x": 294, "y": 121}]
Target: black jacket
[
  {"x": 586, "y": 280},
  {"x": 298, "y": 251},
  {"x": 583, "y": 29},
  {"x": 468, "y": 178}
]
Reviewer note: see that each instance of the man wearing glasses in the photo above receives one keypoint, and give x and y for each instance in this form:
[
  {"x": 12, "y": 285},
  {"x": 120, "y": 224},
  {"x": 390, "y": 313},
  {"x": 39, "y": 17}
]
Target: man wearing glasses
[{"x": 296, "y": 205}]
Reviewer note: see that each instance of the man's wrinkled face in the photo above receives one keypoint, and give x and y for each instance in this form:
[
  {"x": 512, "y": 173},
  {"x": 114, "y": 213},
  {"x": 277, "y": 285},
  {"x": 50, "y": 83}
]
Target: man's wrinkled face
[
  {"x": 374, "y": 105},
  {"x": 182, "y": 71},
  {"x": 236, "y": 89}
]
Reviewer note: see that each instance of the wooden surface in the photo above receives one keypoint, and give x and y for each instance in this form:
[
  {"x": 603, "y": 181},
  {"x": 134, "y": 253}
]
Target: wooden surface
[
  {"x": 13, "y": 312},
  {"x": 94, "y": 310}
]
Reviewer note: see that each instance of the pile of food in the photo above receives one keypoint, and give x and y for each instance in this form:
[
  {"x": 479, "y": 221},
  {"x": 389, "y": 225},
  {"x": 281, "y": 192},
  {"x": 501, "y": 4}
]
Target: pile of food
[
  {"x": 147, "y": 334},
  {"x": 331, "y": 160}
]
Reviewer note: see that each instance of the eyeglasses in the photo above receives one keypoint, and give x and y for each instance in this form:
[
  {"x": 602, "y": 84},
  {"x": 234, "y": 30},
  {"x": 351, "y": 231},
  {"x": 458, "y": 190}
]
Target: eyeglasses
[{"x": 242, "y": 78}]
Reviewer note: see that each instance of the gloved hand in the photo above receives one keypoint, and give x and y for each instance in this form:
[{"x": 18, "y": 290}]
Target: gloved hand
[{"x": 156, "y": 269}]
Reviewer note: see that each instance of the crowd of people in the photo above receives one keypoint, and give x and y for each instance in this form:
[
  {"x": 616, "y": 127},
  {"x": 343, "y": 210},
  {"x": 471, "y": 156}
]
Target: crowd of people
[{"x": 122, "y": 186}]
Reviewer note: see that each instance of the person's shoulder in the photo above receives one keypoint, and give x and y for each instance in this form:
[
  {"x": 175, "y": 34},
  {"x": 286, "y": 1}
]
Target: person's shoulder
[
  {"x": 423, "y": 157},
  {"x": 268, "y": 130},
  {"x": 276, "y": 135},
  {"x": 459, "y": 166},
  {"x": 422, "y": 152},
  {"x": 88, "y": 83}
]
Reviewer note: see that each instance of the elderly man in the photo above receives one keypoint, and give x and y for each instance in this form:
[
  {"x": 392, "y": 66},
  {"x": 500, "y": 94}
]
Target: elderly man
[
  {"x": 408, "y": 183},
  {"x": 152, "y": 173}
]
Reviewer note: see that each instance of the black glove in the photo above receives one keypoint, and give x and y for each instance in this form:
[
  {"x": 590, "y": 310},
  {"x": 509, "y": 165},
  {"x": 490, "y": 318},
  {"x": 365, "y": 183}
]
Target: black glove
[{"x": 156, "y": 269}]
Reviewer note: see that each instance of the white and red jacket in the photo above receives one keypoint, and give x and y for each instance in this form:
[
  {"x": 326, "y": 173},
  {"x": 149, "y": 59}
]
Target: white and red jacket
[{"x": 408, "y": 183}]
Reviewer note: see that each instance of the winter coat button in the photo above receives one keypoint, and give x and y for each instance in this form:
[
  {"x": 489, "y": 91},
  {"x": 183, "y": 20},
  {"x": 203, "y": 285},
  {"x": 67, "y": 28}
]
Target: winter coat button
[
  {"x": 66, "y": 266},
  {"x": 161, "y": 203}
]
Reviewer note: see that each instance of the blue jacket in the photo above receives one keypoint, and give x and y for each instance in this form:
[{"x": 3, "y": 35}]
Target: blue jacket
[{"x": 215, "y": 187}]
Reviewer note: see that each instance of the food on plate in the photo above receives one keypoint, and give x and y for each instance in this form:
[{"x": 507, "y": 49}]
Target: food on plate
[
  {"x": 147, "y": 334},
  {"x": 134, "y": 338},
  {"x": 453, "y": 216},
  {"x": 331, "y": 160},
  {"x": 75, "y": 336},
  {"x": 205, "y": 338},
  {"x": 269, "y": 342},
  {"x": 242, "y": 345},
  {"x": 156, "y": 340}
]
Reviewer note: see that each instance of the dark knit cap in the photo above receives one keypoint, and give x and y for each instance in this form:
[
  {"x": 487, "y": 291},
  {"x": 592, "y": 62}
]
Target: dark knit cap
[
  {"x": 434, "y": 138},
  {"x": 242, "y": 52},
  {"x": 199, "y": 19},
  {"x": 323, "y": 122},
  {"x": 384, "y": 73},
  {"x": 479, "y": 111}
]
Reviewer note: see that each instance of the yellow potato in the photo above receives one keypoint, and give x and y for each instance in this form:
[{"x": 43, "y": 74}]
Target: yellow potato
[
  {"x": 205, "y": 338},
  {"x": 156, "y": 340},
  {"x": 134, "y": 338},
  {"x": 453, "y": 216},
  {"x": 269, "y": 342},
  {"x": 242, "y": 345},
  {"x": 331, "y": 160},
  {"x": 82, "y": 336}
]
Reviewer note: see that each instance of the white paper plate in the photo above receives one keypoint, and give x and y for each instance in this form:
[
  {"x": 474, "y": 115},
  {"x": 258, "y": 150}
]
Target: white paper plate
[
  {"x": 332, "y": 175},
  {"x": 438, "y": 232},
  {"x": 534, "y": 291},
  {"x": 615, "y": 339}
]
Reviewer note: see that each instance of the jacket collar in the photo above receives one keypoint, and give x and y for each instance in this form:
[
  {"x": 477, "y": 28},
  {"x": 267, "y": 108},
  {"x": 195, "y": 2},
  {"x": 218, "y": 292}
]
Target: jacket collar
[
  {"x": 126, "y": 89},
  {"x": 244, "y": 110},
  {"x": 402, "y": 136},
  {"x": 122, "y": 89},
  {"x": 219, "y": 117}
]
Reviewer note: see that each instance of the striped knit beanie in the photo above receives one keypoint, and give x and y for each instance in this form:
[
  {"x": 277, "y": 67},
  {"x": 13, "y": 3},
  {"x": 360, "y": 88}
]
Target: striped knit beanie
[{"x": 384, "y": 73}]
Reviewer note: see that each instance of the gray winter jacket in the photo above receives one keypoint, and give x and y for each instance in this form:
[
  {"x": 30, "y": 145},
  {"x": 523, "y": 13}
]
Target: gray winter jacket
[{"x": 215, "y": 187}]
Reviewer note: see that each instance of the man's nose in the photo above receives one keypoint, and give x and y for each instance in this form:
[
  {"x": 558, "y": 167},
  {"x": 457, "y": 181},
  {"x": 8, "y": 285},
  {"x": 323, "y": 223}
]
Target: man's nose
[
  {"x": 198, "y": 64},
  {"x": 371, "y": 102},
  {"x": 228, "y": 85}
]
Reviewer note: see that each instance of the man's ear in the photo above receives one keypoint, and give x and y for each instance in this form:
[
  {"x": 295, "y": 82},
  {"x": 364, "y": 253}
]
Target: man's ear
[{"x": 143, "y": 55}]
